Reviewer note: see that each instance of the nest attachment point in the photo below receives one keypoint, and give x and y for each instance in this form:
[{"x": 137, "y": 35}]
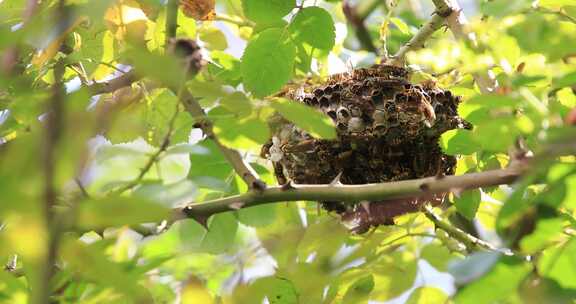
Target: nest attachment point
[{"x": 388, "y": 130}]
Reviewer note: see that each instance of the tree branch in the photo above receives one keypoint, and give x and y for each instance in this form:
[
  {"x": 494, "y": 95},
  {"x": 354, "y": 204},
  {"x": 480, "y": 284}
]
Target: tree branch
[
  {"x": 471, "y": 242},
  {"x": 456, "y": 21},
  {"x": 171, "y": 20},
  {"x": 112, "y": 85},
  {"x": 352, "y": 193},
  {"x": 192, "y": 106},
  {"x": 242, "y": 168},
  {"x": 53, "y": 132},
  {"x": 357, "y": 23},
  {"x": 417, "y": 42}
]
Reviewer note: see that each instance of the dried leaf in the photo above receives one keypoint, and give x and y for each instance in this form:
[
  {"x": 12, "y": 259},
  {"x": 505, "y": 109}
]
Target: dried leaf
[{"x": 201, "y": 10}]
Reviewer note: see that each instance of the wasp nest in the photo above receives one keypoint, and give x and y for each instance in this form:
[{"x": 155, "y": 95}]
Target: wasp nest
[{"x": 388, "y": 130}]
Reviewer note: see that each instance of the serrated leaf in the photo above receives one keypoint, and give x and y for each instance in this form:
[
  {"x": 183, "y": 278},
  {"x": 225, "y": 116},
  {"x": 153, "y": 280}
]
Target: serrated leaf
[
  {"x": 455, "y": 142},
  {"x": 268, "y": 62},
  {"x": 307, "y": 118},
  {"x": 314, "y": 26},
  {"x": 267, "y": 11},
  {"x": 468, "y": 202}
]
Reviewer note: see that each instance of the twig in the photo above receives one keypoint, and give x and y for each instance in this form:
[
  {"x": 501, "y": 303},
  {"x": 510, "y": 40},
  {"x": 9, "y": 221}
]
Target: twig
[
  {"x": 471, "y": 242},
  {"x": 242, "y": 168},
  {"x": 456, "y": 21},
  {"x": 380, "y": 192},
  {"x": 112, "y": 85},
  {"x": 155, "y": 156},
  {"x": 192, "y": 106},
  {"x": 171, "y": 20},
  {"x": 357, "y": 23},
  {"x": 420, "y": 38},
  {"x": 238, "y": 22},
  {"x": 53, "y": 128}
]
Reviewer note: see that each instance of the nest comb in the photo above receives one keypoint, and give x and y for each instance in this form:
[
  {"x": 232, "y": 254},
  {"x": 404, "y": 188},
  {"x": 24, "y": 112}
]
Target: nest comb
[{"x": 388, "y": 130}]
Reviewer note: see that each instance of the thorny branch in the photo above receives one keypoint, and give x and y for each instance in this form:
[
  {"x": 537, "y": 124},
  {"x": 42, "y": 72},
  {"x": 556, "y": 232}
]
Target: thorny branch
[{"x": 380, "y": 192}]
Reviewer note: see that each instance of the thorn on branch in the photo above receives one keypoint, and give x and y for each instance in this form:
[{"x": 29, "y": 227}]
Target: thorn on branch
[{"x": 287, "y": 186}]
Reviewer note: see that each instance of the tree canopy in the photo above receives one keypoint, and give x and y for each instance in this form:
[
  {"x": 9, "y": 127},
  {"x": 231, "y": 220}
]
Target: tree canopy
[{"x": 132, "y": 167}]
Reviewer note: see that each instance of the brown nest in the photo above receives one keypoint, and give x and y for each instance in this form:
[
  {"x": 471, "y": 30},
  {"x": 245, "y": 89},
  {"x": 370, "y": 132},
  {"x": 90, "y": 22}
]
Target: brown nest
[{"x": 388, "y": 130}]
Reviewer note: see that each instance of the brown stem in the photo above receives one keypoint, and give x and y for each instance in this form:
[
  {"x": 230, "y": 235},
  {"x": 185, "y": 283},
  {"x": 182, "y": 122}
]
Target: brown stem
[
  {"x": 242, "y": 168},
  {"x": 357, "y": 23},
  {"x": 112, "y": 85},
  {"x": 417, "y": 42}
]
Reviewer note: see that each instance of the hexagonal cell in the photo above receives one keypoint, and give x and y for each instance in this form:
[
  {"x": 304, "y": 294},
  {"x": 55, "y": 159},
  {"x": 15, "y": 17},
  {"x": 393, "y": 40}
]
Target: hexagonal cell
[{"x": 388, "y": 130}]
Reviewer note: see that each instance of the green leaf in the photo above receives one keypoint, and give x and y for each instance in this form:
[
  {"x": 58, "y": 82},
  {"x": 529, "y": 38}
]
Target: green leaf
[
  {"x": 565, "y": 81},
  {"x": 457, "y": 142},
  {"x": 314, "y": 26},
  {"x": 267, "y": 11},
  {"x": 497, "y": 134},
  {"x": 229, "y": 127},
  {"x": 277, "y": 290},
  {"x": 403, "y": 27},
  {"x": 497, "y": 285},
  {"x": 237, "y": 103},
  {"x": 90, "y": 262},
  {"x": 359, "y": 291},
  {"x": 468, "y": 202},
  {"x": 307, "y": 118},
  {"x": 473, "y": 267},
  {"x": 258, "y": 216},
  {"x": 393, "y": 274},
  {"x": 547, "y": 231},
  {"x": 119, "y": 211},
  {"x": 147, "y": 64},
  {"x": 221, "y": 233},
  {"x": 558, "y": 263},
  {"x": 213, "y": 37},
  {"x": 424, "y": 295},
  {"x": 268, "y": 62},
  {"x": 494, "y": 101},
  {"x": 438, "y": 256}
]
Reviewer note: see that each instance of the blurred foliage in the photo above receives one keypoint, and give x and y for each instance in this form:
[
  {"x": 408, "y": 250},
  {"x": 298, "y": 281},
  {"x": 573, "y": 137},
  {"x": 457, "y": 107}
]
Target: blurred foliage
[{"x": 284, "y": 253}]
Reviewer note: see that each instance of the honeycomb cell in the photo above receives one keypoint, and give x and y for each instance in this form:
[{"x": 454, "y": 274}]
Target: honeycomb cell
[{"x": 388, "y": 130}]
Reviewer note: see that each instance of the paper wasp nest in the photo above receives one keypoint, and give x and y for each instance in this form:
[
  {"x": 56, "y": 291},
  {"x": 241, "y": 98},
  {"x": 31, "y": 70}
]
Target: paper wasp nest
[{"x": 388, "y": 130}]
